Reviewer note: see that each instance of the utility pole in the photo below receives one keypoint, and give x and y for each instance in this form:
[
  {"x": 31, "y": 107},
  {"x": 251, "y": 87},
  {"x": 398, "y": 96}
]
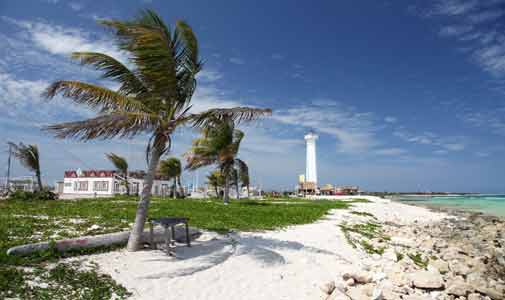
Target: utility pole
[{"x": 9, "y": 168}]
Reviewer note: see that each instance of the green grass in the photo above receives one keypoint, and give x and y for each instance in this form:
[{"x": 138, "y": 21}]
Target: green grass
[{"x": 24, "y": 222}]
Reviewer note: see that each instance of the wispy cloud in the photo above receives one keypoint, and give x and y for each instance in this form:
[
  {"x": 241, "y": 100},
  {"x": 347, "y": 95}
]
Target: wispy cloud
[
  {"x": 277, "y": 56},
  {"x": 59, "y": 40},
  {"x": 441, "y": 143},
  {"x": 488, "y": 120},
  {"x": 354, "y": 131},
  {"x": 209, "y": 75},
  {"x": 390, "y": 119},
  {"x": 470, "y": 22},
  {"x": 236, "y": 60}
]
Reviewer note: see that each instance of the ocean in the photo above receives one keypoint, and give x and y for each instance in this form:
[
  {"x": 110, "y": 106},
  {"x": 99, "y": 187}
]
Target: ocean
[{"x": 488, "y": 204}]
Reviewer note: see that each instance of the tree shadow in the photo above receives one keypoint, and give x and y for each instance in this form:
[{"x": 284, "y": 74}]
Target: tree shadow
[{"x": 208, "y": 254}]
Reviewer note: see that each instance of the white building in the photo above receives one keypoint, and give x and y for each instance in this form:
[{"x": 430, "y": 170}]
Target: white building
[{"x": 105, "y": 183}]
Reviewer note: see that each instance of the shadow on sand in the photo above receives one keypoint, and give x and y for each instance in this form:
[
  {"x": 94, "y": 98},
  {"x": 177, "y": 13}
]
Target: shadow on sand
[{"x": 204, "y": 255}]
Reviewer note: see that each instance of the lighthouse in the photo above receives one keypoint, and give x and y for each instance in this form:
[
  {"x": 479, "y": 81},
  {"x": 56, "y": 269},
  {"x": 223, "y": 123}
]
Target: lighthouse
[{"x": 311, "y": 167}]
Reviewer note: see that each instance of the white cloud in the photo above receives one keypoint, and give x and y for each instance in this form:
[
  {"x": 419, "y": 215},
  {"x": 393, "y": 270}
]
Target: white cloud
[
  {"x": 277, "y": 56},
  {"x": 237, "y": 61},
  {"x": 450, "y": 143},
  {"x": 59, "y": 40},
  {"x": 209, "y": 75},
  {"x": 454, "y": 7},
  {"x": 455, "y": 30},
  {"x": 355, "y": 131},
  {"x": 75, "y": 6},
  {"x": 390, "y": 151},
  {"x": 390, "y": 119}
]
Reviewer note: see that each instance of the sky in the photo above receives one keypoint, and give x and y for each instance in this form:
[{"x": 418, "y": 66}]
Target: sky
[{"x": 405, "y": 95}]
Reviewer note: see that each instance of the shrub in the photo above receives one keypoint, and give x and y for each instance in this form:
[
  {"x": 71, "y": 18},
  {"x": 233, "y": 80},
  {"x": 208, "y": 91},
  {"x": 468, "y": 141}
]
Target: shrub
[{"x": 42, "y": 195}]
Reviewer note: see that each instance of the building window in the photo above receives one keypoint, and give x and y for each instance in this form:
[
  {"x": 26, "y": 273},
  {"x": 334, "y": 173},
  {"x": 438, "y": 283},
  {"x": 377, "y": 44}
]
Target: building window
[
  {"x": 81, "y": 186},
  {"x": 117, "y": 187},
  {"x": 68, "y": 184},
  {"x": 101, "y": 186}
]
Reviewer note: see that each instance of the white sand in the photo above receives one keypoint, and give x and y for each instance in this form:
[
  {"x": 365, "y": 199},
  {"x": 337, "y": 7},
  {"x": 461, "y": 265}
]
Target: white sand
[{"x": 284, "y": 264}]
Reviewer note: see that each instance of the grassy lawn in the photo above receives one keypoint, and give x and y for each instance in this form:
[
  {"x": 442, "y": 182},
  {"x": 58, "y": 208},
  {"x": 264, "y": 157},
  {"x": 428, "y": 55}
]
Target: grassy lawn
[{"x": 35, "y": 277}]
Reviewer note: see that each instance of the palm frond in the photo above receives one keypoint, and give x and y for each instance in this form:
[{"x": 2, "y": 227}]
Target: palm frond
[
  {"x": 112, "y": 69},
  {"x": 148, "y": 41},
  {"x": 28, "y": 155},
  {"x": 236, "y": 115},
  {"x": 119, "y": 162},
  {"x": 122, "y": 124},
  {"x": 94, "y": 96}
]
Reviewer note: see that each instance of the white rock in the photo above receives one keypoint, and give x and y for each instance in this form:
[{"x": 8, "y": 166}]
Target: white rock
[
  {"x": 327, "y": 287},
  {"x": 427, "y": 280}
]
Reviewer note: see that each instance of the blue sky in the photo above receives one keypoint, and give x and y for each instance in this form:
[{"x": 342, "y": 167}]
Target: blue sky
[{"x": 406, "y": 95}]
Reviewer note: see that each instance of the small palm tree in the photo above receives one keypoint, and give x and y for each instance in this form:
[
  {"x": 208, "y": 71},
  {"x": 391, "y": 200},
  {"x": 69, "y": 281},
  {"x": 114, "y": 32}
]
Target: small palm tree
[
  {"x": 244, "y": 177},
  {"x": 122, "y": 167},
  {"x": 216, "y": 180},
  {"x": 219, "y": 144},
  {"x": 28, "y": 156},
  {"x": 154, "y": 96},
  {"x": 171, "y": 169}
]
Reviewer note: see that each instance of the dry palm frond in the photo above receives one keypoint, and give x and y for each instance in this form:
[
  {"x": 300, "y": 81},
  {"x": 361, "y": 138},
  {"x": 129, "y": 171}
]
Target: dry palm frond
[
  {"x": 94, "y": 96},
  {"x": 112, "y": 69}
]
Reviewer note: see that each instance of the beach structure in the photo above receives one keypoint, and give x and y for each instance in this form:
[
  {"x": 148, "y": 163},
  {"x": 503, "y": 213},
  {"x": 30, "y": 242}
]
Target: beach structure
[{"x": 106, "y": 183}]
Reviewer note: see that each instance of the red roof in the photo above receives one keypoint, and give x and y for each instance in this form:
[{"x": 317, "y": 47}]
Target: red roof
[{"x": 90, "y": 173}]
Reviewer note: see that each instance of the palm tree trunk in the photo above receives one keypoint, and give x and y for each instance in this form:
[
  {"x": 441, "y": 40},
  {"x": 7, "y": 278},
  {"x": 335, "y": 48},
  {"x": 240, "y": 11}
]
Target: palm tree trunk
[
  {"x": 248, "y": 196},
  {"x": 237, "y": 189},
  {"x": 181, "y": 189},
  {"x": 174, "y": 188},
  {"x": 39, "y": 180},
  {"x": 134, "y": 242},
  {"x": 217, "y": 192},
  {"x": 127, "y": 185},
  {"x": 226, "y": 197}
]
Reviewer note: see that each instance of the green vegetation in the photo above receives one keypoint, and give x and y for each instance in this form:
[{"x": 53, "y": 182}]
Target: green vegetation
[
  {"x": 362, "y": 233},
  {"x": 418, "y": 260},
  {"x": 399, "y": 256},
  {"x": 27, "y": 221},
  {"x": 364, "y": 214}
]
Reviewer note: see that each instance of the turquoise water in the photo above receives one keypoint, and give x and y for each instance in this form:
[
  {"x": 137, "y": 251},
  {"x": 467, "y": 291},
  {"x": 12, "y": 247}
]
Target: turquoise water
[{"x": 488, "y": 204}]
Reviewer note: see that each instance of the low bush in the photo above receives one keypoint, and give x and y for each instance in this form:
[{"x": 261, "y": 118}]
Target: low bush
[{"x": 42, "y": 195}]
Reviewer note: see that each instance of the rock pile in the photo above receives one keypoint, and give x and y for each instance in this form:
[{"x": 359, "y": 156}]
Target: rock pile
[{"x": 459, "y": 258}]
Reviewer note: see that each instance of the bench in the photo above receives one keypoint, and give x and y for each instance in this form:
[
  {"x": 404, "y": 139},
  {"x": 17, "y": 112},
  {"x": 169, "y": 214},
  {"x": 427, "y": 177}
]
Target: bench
[{"x": 168, "y": 224}]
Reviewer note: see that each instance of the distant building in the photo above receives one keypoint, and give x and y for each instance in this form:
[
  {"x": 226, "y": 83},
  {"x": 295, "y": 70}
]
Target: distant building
[{"x": 106, "y": 183}]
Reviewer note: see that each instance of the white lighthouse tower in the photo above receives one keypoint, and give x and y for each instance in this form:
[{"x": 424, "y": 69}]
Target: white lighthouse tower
[{"x": 311, "y": 167}]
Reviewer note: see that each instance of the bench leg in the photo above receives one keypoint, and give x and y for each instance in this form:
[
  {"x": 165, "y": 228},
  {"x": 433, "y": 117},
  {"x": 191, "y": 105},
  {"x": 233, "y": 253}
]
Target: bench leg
[
  {"x": 188, "y": 240},
  {"x": 167, "y": 240},
  {"x": 151, "y": 236}
]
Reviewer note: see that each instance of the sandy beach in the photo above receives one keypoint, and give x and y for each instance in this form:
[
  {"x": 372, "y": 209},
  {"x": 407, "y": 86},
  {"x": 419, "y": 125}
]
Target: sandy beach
[{"x": 291, "y": 263}]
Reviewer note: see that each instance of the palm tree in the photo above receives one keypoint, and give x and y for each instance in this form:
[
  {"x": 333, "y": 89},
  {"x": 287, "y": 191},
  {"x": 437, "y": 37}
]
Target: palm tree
[
  {"x": 121, "y": 166},
  {"x": 28, "y": 156},
  {"x": 219, "y": 144},
  {"x": 216, "y": 180},
  {"x": 171, "y": 169},
  {"x": 244, "y": 177},
  {"x": 153, "y": 98}
]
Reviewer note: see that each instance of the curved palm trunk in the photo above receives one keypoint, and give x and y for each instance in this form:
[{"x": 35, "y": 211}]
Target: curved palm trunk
[
  {"x": 237, "y": 189},
  {"x": 135, "y": 240},
  {"x": 39, "y": 180},
  {"x": 181, "y": 189}
]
